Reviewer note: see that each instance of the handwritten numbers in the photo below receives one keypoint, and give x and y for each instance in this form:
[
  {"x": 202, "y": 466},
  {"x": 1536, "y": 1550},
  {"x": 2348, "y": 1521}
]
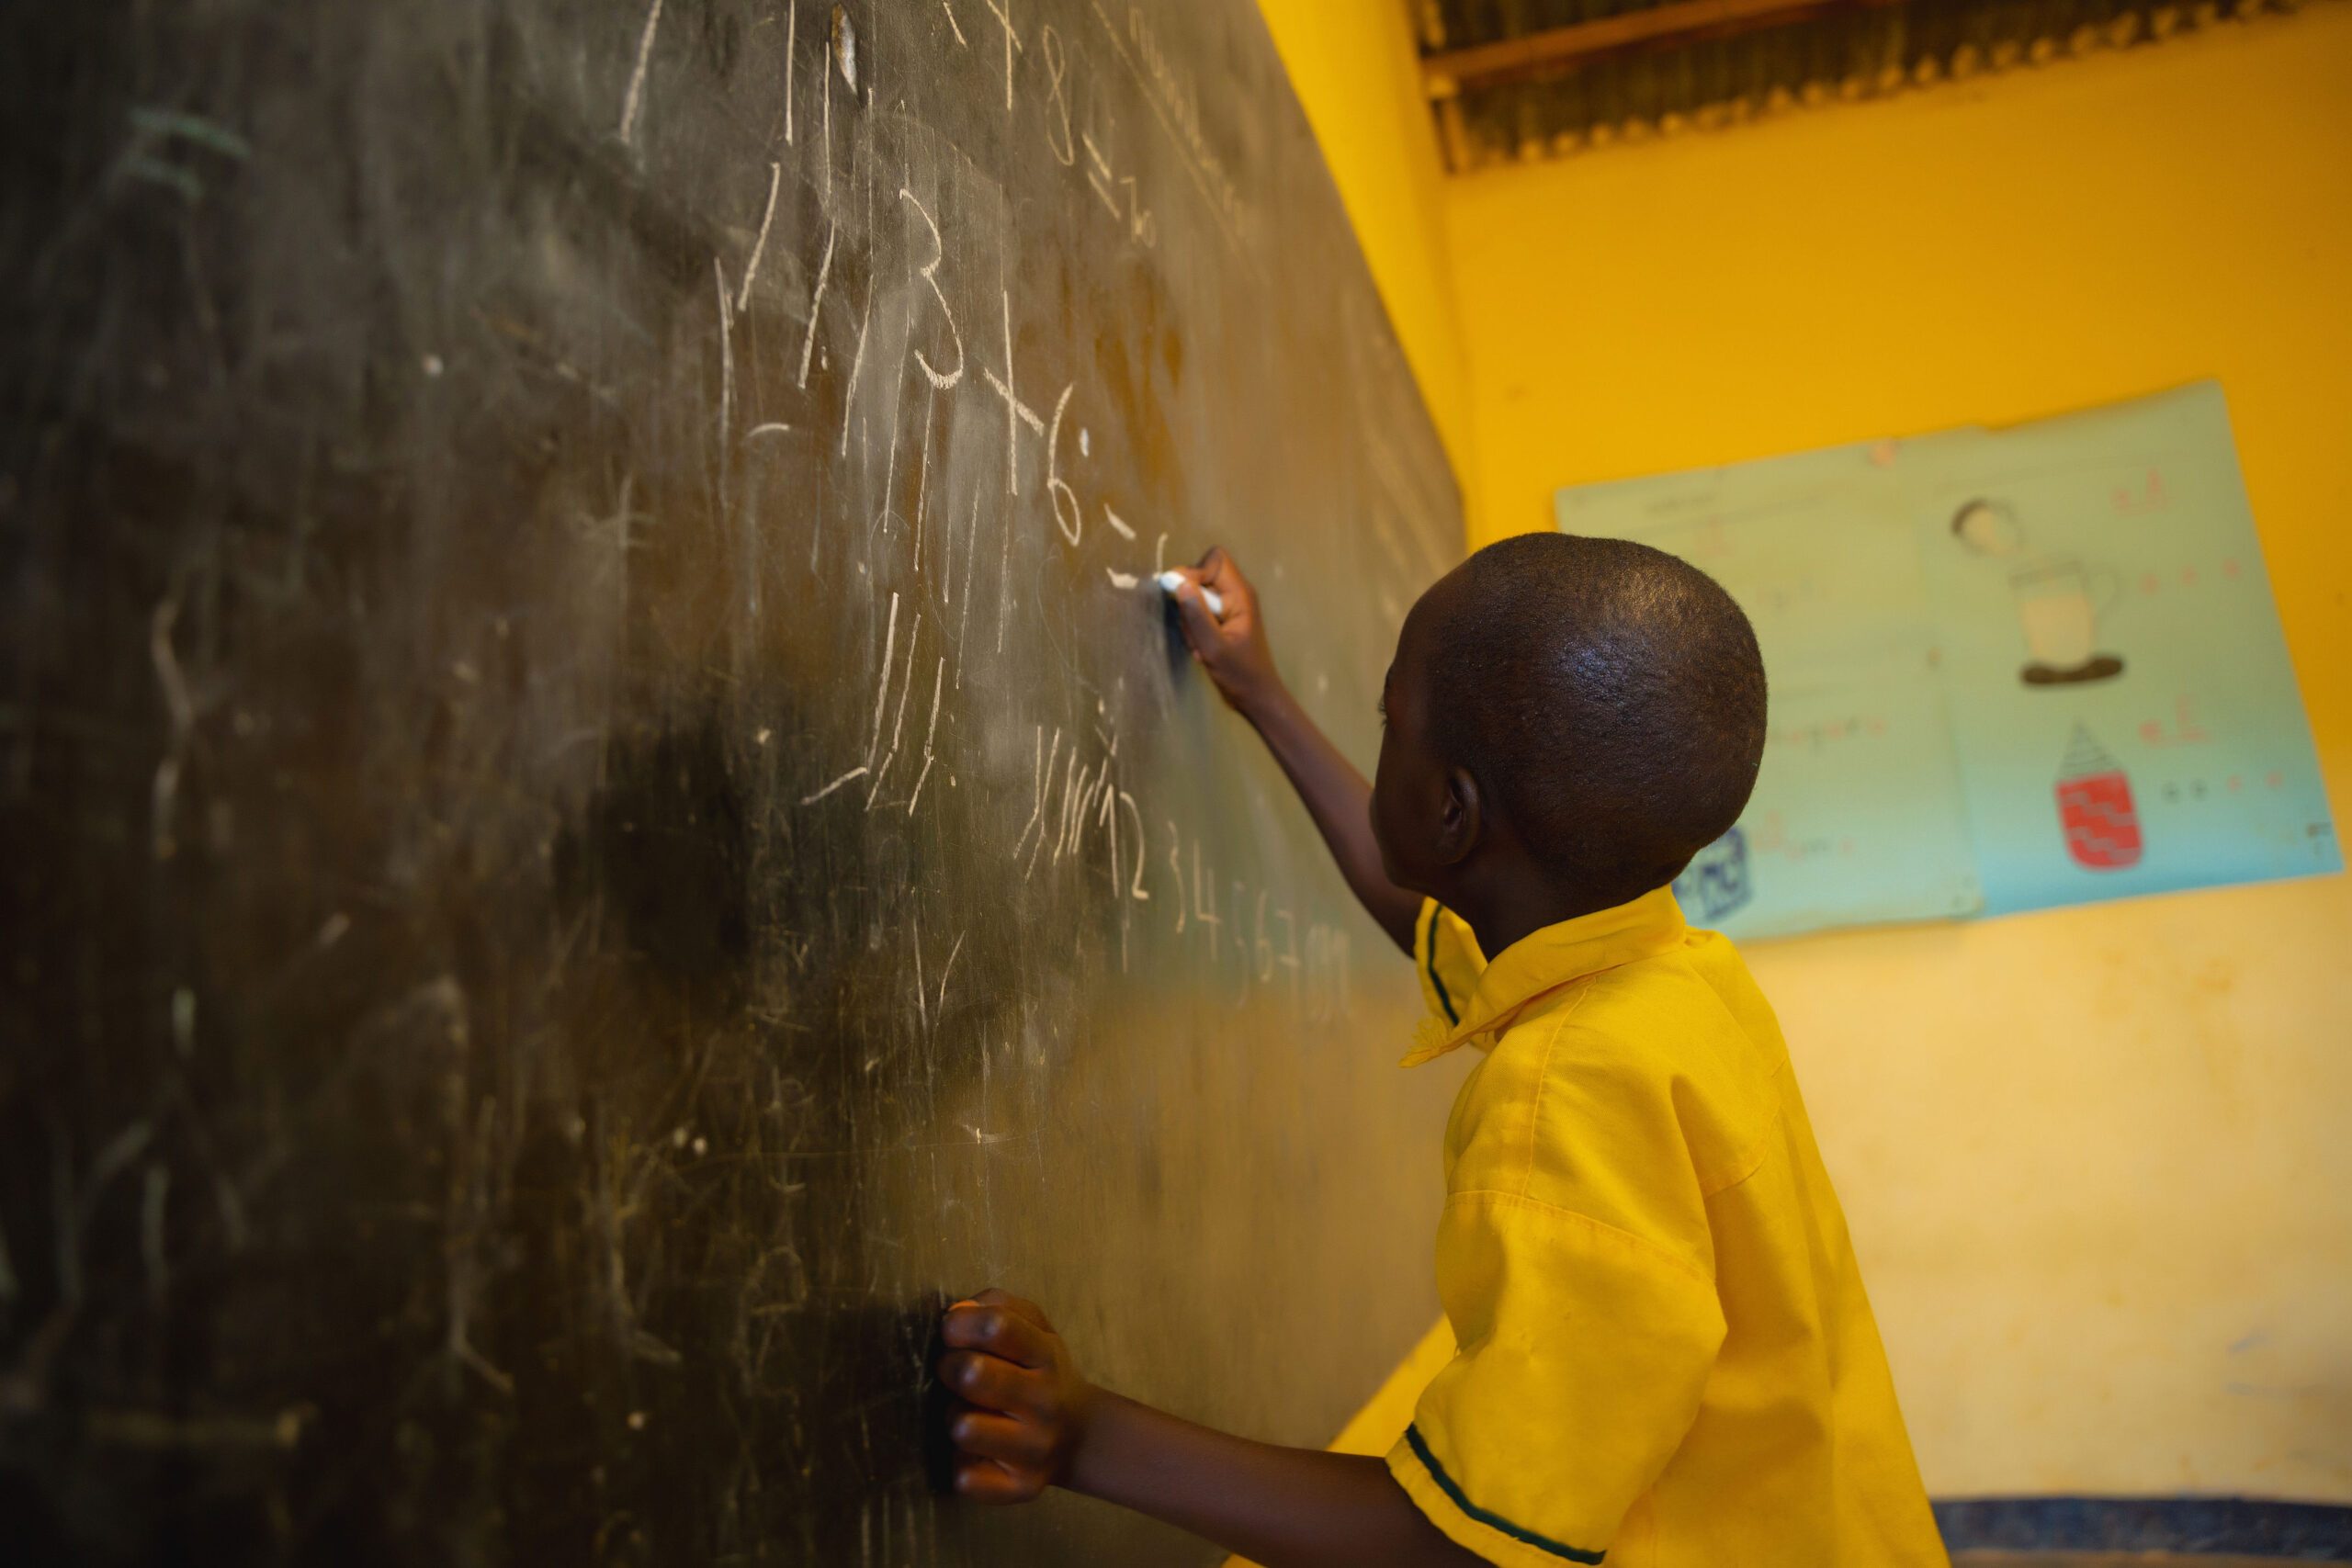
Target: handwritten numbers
[
  {"x": 2148, "y": 497},
  {"x": 1066, "y": 508},
  {"x": 1012, "y": 45},
  {"x": 1327, "y": 977},
  {"x": 1141, "y": 894},
  {"x": 1204, "y": 896},
  {"x": 1288, "y": 955},
  {"x": 1119, "y": 194},
  {"x": 1016, "y": 412},
  {"x": 941, "y": 381},
  {"x": 1176, "y": 868},
  {"x": 2183, "y": 731},
  {"x": 1140, "y": 226},
  {"x": 1058, "y": 125}
]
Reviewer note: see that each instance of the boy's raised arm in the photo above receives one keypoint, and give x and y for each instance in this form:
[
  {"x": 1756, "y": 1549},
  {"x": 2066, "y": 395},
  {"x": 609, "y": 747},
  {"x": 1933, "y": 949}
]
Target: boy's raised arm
[{"x": 1234, "y": 653}]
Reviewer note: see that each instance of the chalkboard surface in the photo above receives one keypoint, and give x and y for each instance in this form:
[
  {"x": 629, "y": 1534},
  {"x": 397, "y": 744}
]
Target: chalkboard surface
[{"x": 595, "y": 819}]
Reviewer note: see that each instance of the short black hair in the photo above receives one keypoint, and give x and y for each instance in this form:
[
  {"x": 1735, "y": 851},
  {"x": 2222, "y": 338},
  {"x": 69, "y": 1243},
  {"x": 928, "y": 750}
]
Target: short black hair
[{"x": 1608, "y": 697}]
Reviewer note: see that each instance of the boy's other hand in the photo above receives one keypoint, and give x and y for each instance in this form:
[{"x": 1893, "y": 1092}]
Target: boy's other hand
[
  {"x": 1021, "y": 1406},
  {"x": 1233, "y": 651}
]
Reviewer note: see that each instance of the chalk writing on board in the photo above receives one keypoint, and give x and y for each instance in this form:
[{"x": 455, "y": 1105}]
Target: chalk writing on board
[{"x": 612, "y": 952}]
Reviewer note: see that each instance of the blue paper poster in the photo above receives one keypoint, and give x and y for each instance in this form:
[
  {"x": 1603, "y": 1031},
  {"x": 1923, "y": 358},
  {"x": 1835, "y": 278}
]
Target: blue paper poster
[
  {"x": 2125, "y": 714},
  {"x": 2009, "y": 670}
]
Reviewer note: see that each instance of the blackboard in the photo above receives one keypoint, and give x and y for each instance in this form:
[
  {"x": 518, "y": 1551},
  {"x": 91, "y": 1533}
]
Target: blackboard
[{"x": 595, "y": 819}]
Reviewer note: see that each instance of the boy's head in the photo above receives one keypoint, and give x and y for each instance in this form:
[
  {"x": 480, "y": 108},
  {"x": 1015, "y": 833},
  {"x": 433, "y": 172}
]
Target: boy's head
[{"x": 1570, "y": 717}]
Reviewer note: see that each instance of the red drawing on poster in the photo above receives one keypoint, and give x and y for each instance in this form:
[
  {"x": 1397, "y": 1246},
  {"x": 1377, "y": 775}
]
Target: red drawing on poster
[{"x": 2095, "y": 807}]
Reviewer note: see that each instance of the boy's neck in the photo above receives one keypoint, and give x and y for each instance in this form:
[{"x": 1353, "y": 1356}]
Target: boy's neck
[{"x": 1501, "y": 915}]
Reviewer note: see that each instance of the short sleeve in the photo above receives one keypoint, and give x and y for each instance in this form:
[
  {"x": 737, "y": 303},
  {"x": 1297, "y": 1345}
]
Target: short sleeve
[
  {"x": 1446, "y": 954},
  {"x": 1584, "y": 1352}
]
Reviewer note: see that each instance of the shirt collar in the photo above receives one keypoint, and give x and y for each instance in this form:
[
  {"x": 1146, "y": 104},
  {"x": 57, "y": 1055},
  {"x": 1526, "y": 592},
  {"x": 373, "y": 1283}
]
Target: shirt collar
[{"x": 1550, "y": 960}]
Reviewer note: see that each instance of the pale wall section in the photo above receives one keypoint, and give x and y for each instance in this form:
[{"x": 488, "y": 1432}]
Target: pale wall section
[
  {"x": 2095, "y": 1161},
  {"x": 1354, "y": 65}
]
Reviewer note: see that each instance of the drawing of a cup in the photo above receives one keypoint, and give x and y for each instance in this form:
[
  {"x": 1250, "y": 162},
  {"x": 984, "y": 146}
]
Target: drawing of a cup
[
  {"x": 2059, "y": 605},
  {"x": 2059, "y": 599}
]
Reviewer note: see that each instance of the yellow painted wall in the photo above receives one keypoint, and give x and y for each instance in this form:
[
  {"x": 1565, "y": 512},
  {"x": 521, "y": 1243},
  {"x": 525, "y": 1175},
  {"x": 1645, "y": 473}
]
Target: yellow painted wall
[
  {"x": 2098, "y": 1162},
  {"x": 1354, "y": 66}
]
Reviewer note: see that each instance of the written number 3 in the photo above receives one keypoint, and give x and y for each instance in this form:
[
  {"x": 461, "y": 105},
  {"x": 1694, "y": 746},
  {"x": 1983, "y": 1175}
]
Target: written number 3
[{"x": 930, "y": 274}]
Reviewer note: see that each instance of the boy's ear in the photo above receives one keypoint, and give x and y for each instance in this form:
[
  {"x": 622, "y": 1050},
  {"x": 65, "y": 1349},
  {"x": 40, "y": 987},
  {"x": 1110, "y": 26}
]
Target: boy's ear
[{"x": 1462, "y": 819}]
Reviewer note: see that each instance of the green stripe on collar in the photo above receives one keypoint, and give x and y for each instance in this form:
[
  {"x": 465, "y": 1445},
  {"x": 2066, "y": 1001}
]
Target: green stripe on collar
[{"x": 1429, "y": 962}]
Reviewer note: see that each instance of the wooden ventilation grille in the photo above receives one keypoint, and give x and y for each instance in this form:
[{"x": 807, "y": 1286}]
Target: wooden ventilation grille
[{"x": 1512, "y": 80}]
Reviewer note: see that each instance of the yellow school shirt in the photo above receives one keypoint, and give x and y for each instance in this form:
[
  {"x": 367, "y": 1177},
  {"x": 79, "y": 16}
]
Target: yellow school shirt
[{"x": 1667, "y": 1358}]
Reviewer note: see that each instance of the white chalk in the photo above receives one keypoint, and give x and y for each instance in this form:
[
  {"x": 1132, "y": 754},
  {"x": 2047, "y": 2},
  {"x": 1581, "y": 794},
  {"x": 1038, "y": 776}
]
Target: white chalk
[{"x": 1169, "y": 582}]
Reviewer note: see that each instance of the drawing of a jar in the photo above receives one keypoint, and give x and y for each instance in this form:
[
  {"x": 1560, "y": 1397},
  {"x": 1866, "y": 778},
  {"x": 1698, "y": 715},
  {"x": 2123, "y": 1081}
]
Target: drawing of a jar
[{"x": 2095, "y": 807}]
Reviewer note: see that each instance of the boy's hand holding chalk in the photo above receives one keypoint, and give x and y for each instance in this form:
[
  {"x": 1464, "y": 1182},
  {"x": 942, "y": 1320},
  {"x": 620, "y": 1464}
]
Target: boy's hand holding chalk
[
  {"x": 1220, "y": 612},
  {"x": 1172, "y": 582}
]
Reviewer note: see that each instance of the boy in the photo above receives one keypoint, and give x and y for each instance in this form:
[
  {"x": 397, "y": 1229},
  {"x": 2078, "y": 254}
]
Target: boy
[{"x": 1665, "y": 1356}]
